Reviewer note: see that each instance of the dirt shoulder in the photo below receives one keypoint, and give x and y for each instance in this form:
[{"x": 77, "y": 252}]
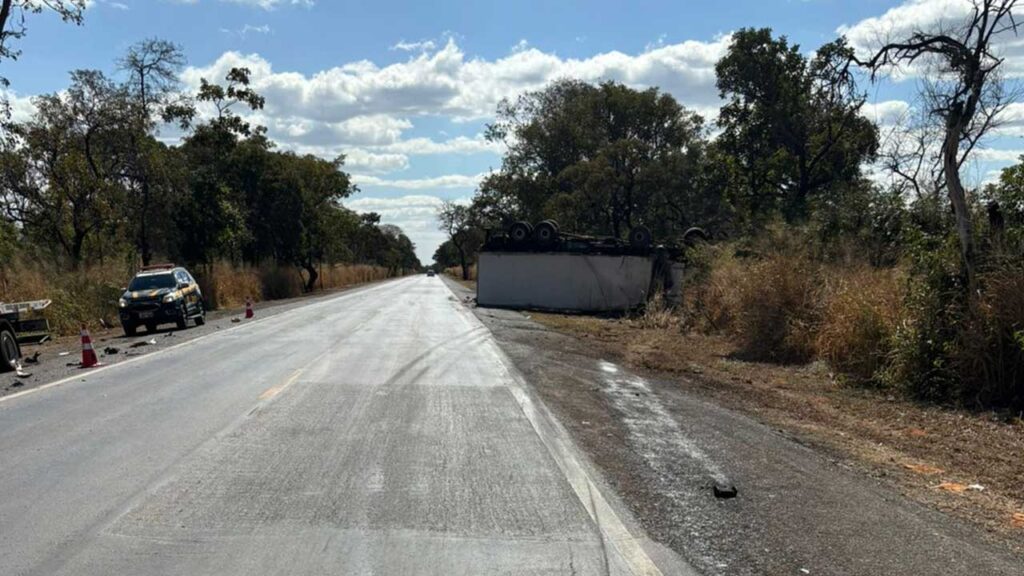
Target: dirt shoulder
[
  {"x": 60, "y": 357},
  {"x": 966, "y": 463},
  {"x": 831, "y": 479}
]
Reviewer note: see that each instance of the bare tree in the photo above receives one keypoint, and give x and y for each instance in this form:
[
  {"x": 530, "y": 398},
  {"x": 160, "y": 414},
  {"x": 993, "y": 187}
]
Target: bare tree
[
  {"x": 152, "y": 67},
  {"x": 966, "y": 92}
]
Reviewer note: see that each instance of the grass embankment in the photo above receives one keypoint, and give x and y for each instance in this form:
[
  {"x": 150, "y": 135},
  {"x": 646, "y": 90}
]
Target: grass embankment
[
  {"x": 91, "y": 294},
  {"x": 821, "y": 350}
]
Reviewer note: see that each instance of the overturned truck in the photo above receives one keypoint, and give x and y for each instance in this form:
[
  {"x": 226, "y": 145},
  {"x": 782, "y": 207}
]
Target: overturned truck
[{"x": 543, "y": 268}]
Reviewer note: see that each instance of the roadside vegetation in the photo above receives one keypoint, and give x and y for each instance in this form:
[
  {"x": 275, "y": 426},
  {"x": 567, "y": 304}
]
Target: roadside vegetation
[
  {"x": 833, "y": 239},
  {"x": 91, "y": 191}
]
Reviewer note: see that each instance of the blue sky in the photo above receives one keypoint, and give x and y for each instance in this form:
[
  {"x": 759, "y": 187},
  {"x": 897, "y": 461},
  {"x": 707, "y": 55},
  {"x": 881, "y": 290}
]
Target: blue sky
[{"x": 404, "y": 89}]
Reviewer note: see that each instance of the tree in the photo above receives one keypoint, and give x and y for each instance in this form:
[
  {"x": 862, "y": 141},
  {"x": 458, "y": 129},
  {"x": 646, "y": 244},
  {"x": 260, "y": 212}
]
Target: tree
[
  {"x": 152, "y": 67},
  {"x": 457, "y": 220},
  {"x": 598, "y": 159},
  {"x": 792, "y": 126},
  {"x": 62, "y": 173},
  {"x": 967, "y": 96},
  {"x": 211, "y": 215}
]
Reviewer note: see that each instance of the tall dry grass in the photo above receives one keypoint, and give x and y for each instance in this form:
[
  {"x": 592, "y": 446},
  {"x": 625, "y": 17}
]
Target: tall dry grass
[
  {"x": 861, "y": 310},
  {"x": 456, "y": 272},
  {"x": 227, "y": 286},
  {"x": 777, "y": 306}
]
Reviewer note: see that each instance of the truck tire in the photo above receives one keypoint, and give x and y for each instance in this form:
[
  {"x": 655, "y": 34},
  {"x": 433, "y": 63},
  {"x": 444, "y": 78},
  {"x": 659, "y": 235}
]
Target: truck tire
[
  {"x": 520, "y": 233},
  {"x": 545, "y": 233},
  {"x": 129, "y": 329},
  {"x": 9, "y": 350},
  {"x": 640, "y": 237}
]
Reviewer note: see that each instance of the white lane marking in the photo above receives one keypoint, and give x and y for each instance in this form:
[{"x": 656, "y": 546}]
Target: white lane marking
[
  {"x": 562, "y": 450},
  {"x": 93, "y": 371}
]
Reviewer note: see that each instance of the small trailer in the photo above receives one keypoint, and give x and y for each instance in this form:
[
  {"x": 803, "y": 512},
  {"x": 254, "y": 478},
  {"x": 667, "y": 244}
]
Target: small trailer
[
  {"x": 542, "y": 268},
  {"x": 21, "y": 323}
]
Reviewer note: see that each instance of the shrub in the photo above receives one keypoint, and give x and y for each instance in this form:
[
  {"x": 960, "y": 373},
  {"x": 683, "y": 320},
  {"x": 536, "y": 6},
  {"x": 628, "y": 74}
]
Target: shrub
[{"x": 988, "y": 356}]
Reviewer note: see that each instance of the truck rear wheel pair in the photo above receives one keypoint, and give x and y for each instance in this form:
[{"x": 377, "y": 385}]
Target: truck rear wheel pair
[
  {"x": 544, "y": 234},
  {"x": 9, "y": 349}
]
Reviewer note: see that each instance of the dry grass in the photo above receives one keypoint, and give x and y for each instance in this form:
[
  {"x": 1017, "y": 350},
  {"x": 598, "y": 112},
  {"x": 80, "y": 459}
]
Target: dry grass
[
  {"x": 860, "y": 311},
  {"x": 456, "y": 272},
  {"x": 777, "y": 306},
  {"x": 82, "y": 296},
  {"x": 91, "y": 294}
]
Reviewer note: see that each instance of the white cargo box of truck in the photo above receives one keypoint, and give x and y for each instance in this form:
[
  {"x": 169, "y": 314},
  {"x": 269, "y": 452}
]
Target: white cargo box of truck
[
  {"x": 562, "y": 281},
  {"x": 541, "y": 268}
]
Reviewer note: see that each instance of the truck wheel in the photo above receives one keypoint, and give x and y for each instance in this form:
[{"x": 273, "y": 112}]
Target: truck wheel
[
  {"x": 150, "y": 327},
  {"x": 9, "y": 351},
  {"x": 545, "y": 233},
  {"x": 640, "y": 237},
  {"x": 520, "y": 232},
  {"x": 129, "y": 329}
]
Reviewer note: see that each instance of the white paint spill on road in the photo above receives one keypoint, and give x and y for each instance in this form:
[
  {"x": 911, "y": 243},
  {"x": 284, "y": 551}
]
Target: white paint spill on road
[{"x": 652, "y": 430}]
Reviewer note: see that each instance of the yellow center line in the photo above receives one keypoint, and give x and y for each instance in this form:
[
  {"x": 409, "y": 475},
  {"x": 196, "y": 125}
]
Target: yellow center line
[{"x": 275, "y": 390}]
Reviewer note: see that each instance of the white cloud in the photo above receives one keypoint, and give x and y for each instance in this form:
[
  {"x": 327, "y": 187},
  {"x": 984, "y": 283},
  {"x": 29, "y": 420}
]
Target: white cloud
[
  {"x": 421, "y": 46},
  {"x": 415, "y": 214},
  {"x": 271, "y": 4},
  {"x": 446, "y": 82},
  {"x": 887, "y": 112},
  {"x": 431, "y": 183}
]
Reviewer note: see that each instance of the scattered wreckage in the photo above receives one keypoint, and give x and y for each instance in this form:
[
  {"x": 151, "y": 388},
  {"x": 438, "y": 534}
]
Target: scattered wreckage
[{"x": 540, "y": 267}]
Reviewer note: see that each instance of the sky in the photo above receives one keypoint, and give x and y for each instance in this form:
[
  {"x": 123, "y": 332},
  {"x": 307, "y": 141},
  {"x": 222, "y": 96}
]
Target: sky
[{"x": 405, "y": 89}]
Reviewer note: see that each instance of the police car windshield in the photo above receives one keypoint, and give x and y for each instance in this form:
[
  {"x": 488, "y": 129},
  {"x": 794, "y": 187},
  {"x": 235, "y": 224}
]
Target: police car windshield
[{"x": 152, "y": 282}]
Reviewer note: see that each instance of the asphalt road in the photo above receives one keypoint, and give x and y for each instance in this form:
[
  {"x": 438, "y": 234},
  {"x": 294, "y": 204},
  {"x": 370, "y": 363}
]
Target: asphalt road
[{"x": 378, "y": 432}]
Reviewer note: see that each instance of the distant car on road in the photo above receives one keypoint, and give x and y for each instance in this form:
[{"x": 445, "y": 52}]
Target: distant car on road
[
  {"x": 161, "y": 294},
  {"x": 431, "y": 273}
]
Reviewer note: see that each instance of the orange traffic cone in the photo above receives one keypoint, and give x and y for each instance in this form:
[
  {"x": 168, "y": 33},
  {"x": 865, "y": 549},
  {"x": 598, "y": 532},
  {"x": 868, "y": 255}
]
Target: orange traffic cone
[
  {"x": 88, "y": 354},
  {"x": 248, "y": 308}
]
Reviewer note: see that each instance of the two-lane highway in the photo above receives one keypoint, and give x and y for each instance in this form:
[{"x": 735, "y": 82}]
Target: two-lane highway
[{"x": 379, "y": 432}]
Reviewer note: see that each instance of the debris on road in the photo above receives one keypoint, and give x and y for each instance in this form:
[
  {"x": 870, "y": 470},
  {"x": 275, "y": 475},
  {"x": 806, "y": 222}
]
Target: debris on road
[
  {"x": 33, "y": 359},
  {"x": 954, "y": 487},
  {"x": 63, "y": 353},
  {"x": 236, "y": 320},
  {"x": 976, "y": 487},
  {"x": 725, "y": 492},
  {"x": 925, "y": 469},
  {"x": 110, "y": 350},
  {"x": 141, "y": 343}
]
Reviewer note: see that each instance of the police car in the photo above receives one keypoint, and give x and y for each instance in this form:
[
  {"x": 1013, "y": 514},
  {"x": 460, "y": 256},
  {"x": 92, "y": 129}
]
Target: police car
[{"x": 161, "y": 294}]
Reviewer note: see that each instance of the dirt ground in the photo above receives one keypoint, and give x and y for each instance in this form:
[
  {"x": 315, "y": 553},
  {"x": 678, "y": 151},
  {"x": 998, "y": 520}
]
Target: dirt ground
[{"x": 968, "y": 464}]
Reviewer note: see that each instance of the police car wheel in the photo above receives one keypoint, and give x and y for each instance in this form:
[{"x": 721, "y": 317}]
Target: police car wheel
[{"x": 182, "y": 320}]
